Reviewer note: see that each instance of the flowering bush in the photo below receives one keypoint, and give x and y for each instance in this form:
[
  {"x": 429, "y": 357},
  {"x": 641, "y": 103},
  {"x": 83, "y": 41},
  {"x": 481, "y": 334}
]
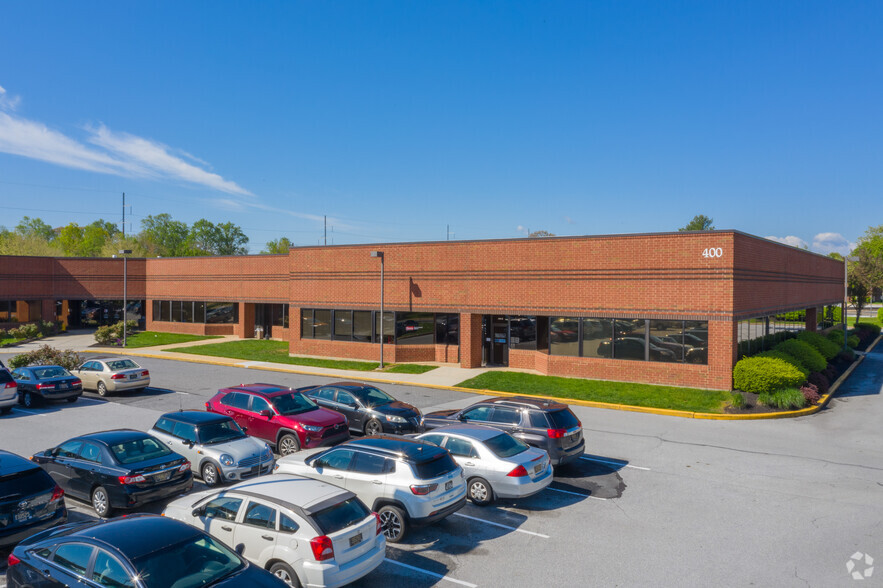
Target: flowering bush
[
  {"x": 811, "y": 393},
  {"x": 46, "y": 355}
]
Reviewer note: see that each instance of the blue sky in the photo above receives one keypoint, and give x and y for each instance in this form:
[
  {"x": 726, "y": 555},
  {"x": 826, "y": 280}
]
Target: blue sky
[{"x": 396, "y": 119}]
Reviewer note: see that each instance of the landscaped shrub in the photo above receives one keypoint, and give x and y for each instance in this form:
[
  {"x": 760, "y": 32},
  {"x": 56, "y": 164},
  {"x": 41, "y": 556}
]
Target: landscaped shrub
[
  {"x": 828, "y": 349},
  {"x": 811, "y": 393},
  {"x": 30, "y": 330},
  {"x": 737, "y": 400},
  {"x": 16, "y": 333},
  {"x": 847, "y": 356},
  {"x": 765, "y": 374},
  {"x": 785, "y": 357},
  {"x": 113, "y": 334},
  {"x": 880, "y": 315},
  {"x": 875, "y": 329},
  {"x": 47, "y": 328},
  {"x": 46, "y": 355},
  {"x": 805, "y": 354},
  {"x": 788, "y": 399},
  {"x": 820, "y": 381},
  {"x": 3, "y": 334}
]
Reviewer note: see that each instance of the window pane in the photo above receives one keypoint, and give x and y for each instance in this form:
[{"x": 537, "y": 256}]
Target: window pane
[
  {"x": 564, "y": 336},
  {"x": 107, "y": 571},
  {"x": 628, "y": 342},
  {"x": 223, "y": 507},
  {"x": 285, "y": 310},
  {"x": 176, "y": 311},
  {"x": 277, "y": 314},
  {"x": 156, "y": 311},
  {"x": 286, "y": 524},
  {"x": 696, "y": 337},
  {"x": 199, "y": 312},
  {"x": 667, "y": 336},
  {"x": 362, "y": 325},
  {"x": 415, "y": 328},
  {"x": 165, "y": 310},
  {"x": 322, "y": 324},
  {"x": 187, "y": 311},
  {"x": 389, "y": 327},
  {"x": 74, "y": 557},
  {"x": 221, "y": 312},
  {"x": 306, "y": 323},
  {"x": 260, "y": 515},
  {"x": 597, "y": 337},
  {"x": 343, "y": 325},
  {"x": 523, "y": 332}
]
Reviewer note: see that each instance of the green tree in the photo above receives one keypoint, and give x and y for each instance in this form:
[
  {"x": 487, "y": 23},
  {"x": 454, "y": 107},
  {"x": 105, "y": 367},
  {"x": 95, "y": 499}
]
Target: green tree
[
  {"x": 281, "y": 245},
  {"x": 538, "y": 234},
  {"x": 35, "y": 227},
  {"x": 160, "y": 235},
  {"x": 700, "y": 222},
  {"x": 866, "y": 273},
  {"x": 70, "y": 238},
  {"x": 207, "y": 238}
]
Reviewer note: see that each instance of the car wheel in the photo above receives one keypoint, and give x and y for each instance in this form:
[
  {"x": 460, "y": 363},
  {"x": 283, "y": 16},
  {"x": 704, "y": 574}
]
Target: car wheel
[
  {"x": 288, "y": 444},
  {"x": 102, "y": 389},
  {"x": 284, "y": 572},
  {"x": 480, "y": 492},
  {"x": 373, "y": 427},
  {"x": 29, "y": 400},
  {"x": 101, "y": 502},
  {"x": 392, "y": 523},
  {"x": 210, "y": 474},
  {"x": 72, "y": 399}
]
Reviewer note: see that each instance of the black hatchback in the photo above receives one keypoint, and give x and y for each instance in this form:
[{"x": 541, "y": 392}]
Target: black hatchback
[
  {"x": 367, "y": 409},
  {"x": 542, "y": 423},
  {"x": 117, "y": 469},
  {"x": 141, "y": 551},
  {"x": 30, "y": 501}
]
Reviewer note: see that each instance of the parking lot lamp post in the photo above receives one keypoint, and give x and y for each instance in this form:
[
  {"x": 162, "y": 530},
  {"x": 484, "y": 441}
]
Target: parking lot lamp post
[
  {"x": 380, "y": 255},
  {"x": 846, "y": 261},
  {"x": 124, "y": 253}
]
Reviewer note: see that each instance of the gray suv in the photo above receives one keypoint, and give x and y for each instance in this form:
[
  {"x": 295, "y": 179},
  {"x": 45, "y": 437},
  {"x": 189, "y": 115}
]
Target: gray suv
[{"x": 218, "y": 449}]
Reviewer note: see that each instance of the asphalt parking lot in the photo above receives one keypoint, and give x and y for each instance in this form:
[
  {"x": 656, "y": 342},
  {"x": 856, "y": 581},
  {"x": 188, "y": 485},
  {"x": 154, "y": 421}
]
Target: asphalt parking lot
[{"x": 658, "y": 500}]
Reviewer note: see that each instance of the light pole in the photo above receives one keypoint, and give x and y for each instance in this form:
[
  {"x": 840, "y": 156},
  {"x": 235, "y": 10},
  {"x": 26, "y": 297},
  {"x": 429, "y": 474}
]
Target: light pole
[
  {"x": 380, "y": 255},
  {"x": 846, "y": 297},
  {"x": 124, "y": 253}
]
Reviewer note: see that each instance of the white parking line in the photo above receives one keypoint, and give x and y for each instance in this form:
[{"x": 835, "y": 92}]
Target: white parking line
[
  {"x": 576, "y": 493},
  {"x": 42, "y": 414},
  {"x": 617, "y": 463},
  {"x": 457, "y": 514},
  {"x": 428, "y": 573}
]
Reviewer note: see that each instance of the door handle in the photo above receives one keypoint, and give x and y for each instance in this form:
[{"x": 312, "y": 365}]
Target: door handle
[
  {"x": 338, "y": 476},
  {"x": 378, "y": 482},
  {"x": 469, "y": 463},
  {"x": 267, "y": 537},
  {"x": 226, "y": 528}
]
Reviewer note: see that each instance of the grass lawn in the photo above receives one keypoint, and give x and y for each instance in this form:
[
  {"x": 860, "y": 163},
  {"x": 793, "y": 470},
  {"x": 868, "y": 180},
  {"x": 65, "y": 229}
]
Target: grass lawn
[
  {"x": 9, "y": 341},
  {"x": 151, "y": 338},
  {"x": 410, "y": 368},
  {"x": 274, "y": 351},
  {"x": 689, "y": 399}
]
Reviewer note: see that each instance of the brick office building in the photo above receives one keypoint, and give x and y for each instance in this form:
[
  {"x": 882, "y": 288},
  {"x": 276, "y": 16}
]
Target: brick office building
[{"x": 667, "y": 308}]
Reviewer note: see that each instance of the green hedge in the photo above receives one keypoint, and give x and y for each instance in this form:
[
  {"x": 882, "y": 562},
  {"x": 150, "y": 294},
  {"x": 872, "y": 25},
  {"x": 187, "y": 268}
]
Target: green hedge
[
  {"x": 868, "y": 327},
  {"x": 804, "y": 353},
  {"x": 836, "y": 337},
  {"x": 765, "y": 375},
  {"x": 786, "y": 357},
  {"x": 828, "y": 349}
]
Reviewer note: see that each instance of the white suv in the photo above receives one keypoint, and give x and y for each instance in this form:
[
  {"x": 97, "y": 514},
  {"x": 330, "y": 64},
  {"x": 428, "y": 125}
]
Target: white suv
[
  {"x": 407, "y": 482},
  {"x": 305, "y": 532}
]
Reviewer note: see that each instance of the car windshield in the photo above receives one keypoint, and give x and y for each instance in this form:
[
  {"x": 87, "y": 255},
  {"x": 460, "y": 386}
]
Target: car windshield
[
  {"x": 505, "y": 445},
  {"x": 372, "y": 397},
  {"x": 341, "y": 515},
  {"x": 199, "y": 561},
  {"x": 122, "y": 364},
  {"x": 50, "y": 372},
  {"x": 138, "y": 450},
  {"x": 293, "y": 403},
  {"x": 220, "y": 432},
  {"x": 563, "y": 419}
]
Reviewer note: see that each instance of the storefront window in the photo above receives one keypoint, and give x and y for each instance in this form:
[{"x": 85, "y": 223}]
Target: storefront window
[
  {"x": 187, "y": 312},
  {"x": 306, "y": 323},
  {"x": 322, "y": 324},
  {"x": 564, "y": 336},
  {"x": 415, "y": 328},
  {"x": 696, "y": 341},
  {"x": 447, "y": 329},
  {"x": 389, "y": 327},
  {"x": 628, "y": 340},
  {"x": 667, "y": 336},
  {"x": 221, "y": 312},
  {"x": 597, "y": 337},
  {"x": 199, "y": 312},
  {"x": 523, "y": 332},
  {"x": 343, "y": 325},
  {"x": 362, "y": 325}
]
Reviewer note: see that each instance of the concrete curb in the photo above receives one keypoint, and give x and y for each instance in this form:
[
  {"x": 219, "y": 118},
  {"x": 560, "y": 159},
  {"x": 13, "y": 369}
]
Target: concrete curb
[{"x": 823, "y": 401}]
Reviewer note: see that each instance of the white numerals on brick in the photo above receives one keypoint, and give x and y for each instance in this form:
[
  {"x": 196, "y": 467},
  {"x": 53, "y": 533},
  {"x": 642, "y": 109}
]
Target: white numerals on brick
[{"x": 712, "y": 252}]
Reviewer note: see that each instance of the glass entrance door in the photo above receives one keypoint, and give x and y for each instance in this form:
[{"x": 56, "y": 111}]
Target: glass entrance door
[{"x": 495, "y": 332}]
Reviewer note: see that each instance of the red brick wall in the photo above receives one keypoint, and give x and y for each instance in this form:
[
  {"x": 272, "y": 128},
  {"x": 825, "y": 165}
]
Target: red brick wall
[{"x": 253, "y": 278}]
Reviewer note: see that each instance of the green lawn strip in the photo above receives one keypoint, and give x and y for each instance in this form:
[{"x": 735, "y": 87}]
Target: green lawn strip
[
  {"x": 272, "y": 351},
  {"x": 153, "y": 338},
  {"x": 9, "y": 341},
  {"x": 689, "y": 399},
  {"x": 410, "y": 368}
]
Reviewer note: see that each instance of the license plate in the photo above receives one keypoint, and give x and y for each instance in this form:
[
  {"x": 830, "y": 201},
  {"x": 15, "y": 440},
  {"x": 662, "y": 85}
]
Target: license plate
[
  {"x": 255, "y": 469},
  {"x": 448, "y": 485},
  {"x": 537, "y": 468},
  {"x": 22, "y": 516},
  {"x": 355, "y": 539},
  {"x": 163, "y": 476},
  {"x": 62, "y": 386},
  {"x": 133, "y": 376},
  {"x": 574, "y": 437}
]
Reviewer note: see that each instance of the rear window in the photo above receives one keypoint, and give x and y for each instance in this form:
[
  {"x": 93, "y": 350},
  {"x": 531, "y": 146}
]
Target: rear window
[
  {"x": 439, "y": 466},
  {"x": 563, "y": 419},
  {"x": 24, "y": 483},
  {"x": 505, "y": 445},
  {"x": 139, "y": 450},
  {"x": 341, "y": 515},
  {"x": 50, "y": 372},
  {"x": 5, "y": 376},
  {"x": 122, "y": 364}
]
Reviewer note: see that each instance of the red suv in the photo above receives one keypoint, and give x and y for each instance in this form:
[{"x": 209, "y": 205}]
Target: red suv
[{"x": 280, "y": 416}]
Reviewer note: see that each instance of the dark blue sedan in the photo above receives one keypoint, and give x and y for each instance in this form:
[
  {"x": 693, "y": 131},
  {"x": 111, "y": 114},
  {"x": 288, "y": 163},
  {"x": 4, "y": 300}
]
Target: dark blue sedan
[
  {"x": 141, "y": 551},
  {"x": 39, "y": 383}
]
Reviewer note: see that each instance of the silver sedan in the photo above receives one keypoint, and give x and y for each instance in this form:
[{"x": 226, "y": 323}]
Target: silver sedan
[
  {"x": 496, "y": 464},
  {"x": 112, "y": 374}
]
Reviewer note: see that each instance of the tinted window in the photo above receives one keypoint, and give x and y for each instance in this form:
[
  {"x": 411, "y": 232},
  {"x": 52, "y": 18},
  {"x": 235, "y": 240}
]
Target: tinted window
[
  {"x": 223, "y": 507},
  {"x": 122, "y": 364},
  {"x": 460, "y": 447},
  {"x": 338, "y": 459},
  {"x": 5, "y": 377},
  {"x": 25, "y": 483},
  {"x": 20, "y": 375},
  {"x": 538, "y": 420},
  {"x": 74, "y": 557},
  {"x": 293, "y": 403},
  {"x": 165, "y": 425},
  {"x": 107, "y": 571},
  {"x": 325, "y": 394},
  {"x": 91, "y": 452},
  {"x": 260, "y": 515},
  {"x": 139, "y": 450},
  {"x": 50, "y": 372},
  {"x": 341, "y": 515},
  {"x": 220, "y": 432},
  {"x": 258, "y": 404},
  {"x": 287, "y": 525},
  {"x": 185, "y": 431},
  {"x": 69, "y": 449},
  {"x": 597, "y": 337},
  {"x": 479, "y": 413},
  {"x": 505, "y": 445},
  {"x": 345, "y": 398},
  {"x": 505, "y": 415},
  {"x": 434, "y": 439},
  {"x": 362, "y": 325},
  {"x": 563, "y": 419},
  {"x": 373, "y": 397},
  {"x": 441, "y": 465},
  {"x": 199, "y": 561},
  {"x": 368, "y": 463},
  {"x": 236, "y": 400}
]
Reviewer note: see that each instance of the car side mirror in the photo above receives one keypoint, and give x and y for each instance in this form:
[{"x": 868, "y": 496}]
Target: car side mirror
[
  {"x": 266, "y": 413},
  {"x": 187, "y": 443},
  {"x": 52, "y": 452},
  {"x": 461, "y": 417},
  {"x": 198, "y": 512}
]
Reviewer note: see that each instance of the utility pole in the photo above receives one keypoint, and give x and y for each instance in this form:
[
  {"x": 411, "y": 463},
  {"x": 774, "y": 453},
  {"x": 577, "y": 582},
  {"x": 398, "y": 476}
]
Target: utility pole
[
  {"x": 326, "y": 228},
  {"x": 124, "y": 215},
  {"x": 448, "y": 232}
]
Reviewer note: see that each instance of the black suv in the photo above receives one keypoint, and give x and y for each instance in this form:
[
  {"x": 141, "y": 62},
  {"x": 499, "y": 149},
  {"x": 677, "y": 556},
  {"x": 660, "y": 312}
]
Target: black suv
[
  {"x": 542, "y": 423},
  {"x": 30, "y": 501}
]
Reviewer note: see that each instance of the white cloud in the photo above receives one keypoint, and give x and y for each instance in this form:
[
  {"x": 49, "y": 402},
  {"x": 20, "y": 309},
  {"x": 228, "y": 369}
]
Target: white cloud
[
  {"x": 113, "y": 153},
  {"x": 830, "y": 242},
  {"x": 790, "y": 240},
  {"x": 523, "y": 230}
]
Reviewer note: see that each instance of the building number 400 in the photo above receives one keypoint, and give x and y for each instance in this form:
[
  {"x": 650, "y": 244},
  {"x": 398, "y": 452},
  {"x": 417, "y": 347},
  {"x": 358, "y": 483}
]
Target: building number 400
[{"x": 712, "y": 252}]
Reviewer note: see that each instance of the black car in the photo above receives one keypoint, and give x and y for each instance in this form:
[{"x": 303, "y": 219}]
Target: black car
[
  {"x": 367, "y": 409},
  {"x": 30, "y": 501},
  {"x": 140, "y": 551},
  {"x": 46, "y": 382},
  {"x": 117, "y": 469},
  {"x": 542, "y": 423}
]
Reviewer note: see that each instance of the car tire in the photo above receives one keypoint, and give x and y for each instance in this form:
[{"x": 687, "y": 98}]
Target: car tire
[
  {"x": 72, "y": 399},
  {"x": 210, "y": 475},
  {"x": 480, "y": 492},
  {"x": 101, "y": 502},
  {"x": 373, "y": 427},
  {"x": 288, "y": 444},
  {"x": 29, "y": 400},
  {"x": 101, "y": 389},
  {"x": 392, "y": 523},
  {"x": 284, "y": 572}
]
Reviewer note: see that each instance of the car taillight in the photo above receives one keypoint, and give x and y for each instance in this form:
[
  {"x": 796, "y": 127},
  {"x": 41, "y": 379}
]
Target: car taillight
[
  {"x": 76, "y": 382},
  {"x": 424, "y": 489},
  {"x": 45, "y": 386},
  {"x": 118, "y": 377},
  {"x": 322, "y": 548},
  {"x": 556, "y": 433},
  {"x": 207, "y": 406},
  {"x": 131, "y": 479},
  {"x": 12, "y": 560},
  {"x": 379, "y": 526},
  {"x": 145, "y": 373},
  {"x": 10, "y": 385},
  {"x": 517, "y": 472},
  {"x": 57, "y": 493},
  {"x": 184, "y": 466}
]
